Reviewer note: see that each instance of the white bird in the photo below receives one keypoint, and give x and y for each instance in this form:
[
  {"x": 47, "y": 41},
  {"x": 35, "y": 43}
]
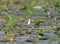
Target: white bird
[
  {"x": 38, "y": 7},
  {"x": 29, "y": 21}
]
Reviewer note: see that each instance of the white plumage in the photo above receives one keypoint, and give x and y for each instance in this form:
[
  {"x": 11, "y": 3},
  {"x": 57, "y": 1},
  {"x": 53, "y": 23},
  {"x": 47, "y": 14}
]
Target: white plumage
[
  {"x": 29, "y": 21},
  {"x": 38, "y": 7}
]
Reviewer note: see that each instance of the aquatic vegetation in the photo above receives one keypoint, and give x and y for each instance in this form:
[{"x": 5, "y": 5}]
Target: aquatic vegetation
[
  {"x": 7, "y": 17},
  {"x": 12, "y": 22},
  {"x": 54, "y": 38},
  {"x": 27, "y": 7},
  {"x": 46, "y": 30},
  {"x": 32, "y": 18},
  {"x": 37, "y": 23},
  {"x": 38, "y": 34}
]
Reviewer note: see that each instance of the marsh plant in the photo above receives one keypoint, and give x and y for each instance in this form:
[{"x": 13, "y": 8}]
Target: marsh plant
[
  {"x": 11, "y": 22},
  {"x": 37, "y": 23},
  {"x": 55, "y": 38}
]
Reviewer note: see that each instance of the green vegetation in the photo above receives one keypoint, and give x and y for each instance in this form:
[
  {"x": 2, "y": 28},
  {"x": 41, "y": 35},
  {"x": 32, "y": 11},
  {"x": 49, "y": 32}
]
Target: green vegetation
[
  {"x": 11, "y": 22},
  {"x": 45, "y": 30},
  {"x": 54, "y": 38},
  {"x": 37, "y": 23}
]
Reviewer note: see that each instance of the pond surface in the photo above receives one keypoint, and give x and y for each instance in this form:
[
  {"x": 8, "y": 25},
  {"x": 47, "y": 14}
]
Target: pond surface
[{"x": 22, "y": 39}]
